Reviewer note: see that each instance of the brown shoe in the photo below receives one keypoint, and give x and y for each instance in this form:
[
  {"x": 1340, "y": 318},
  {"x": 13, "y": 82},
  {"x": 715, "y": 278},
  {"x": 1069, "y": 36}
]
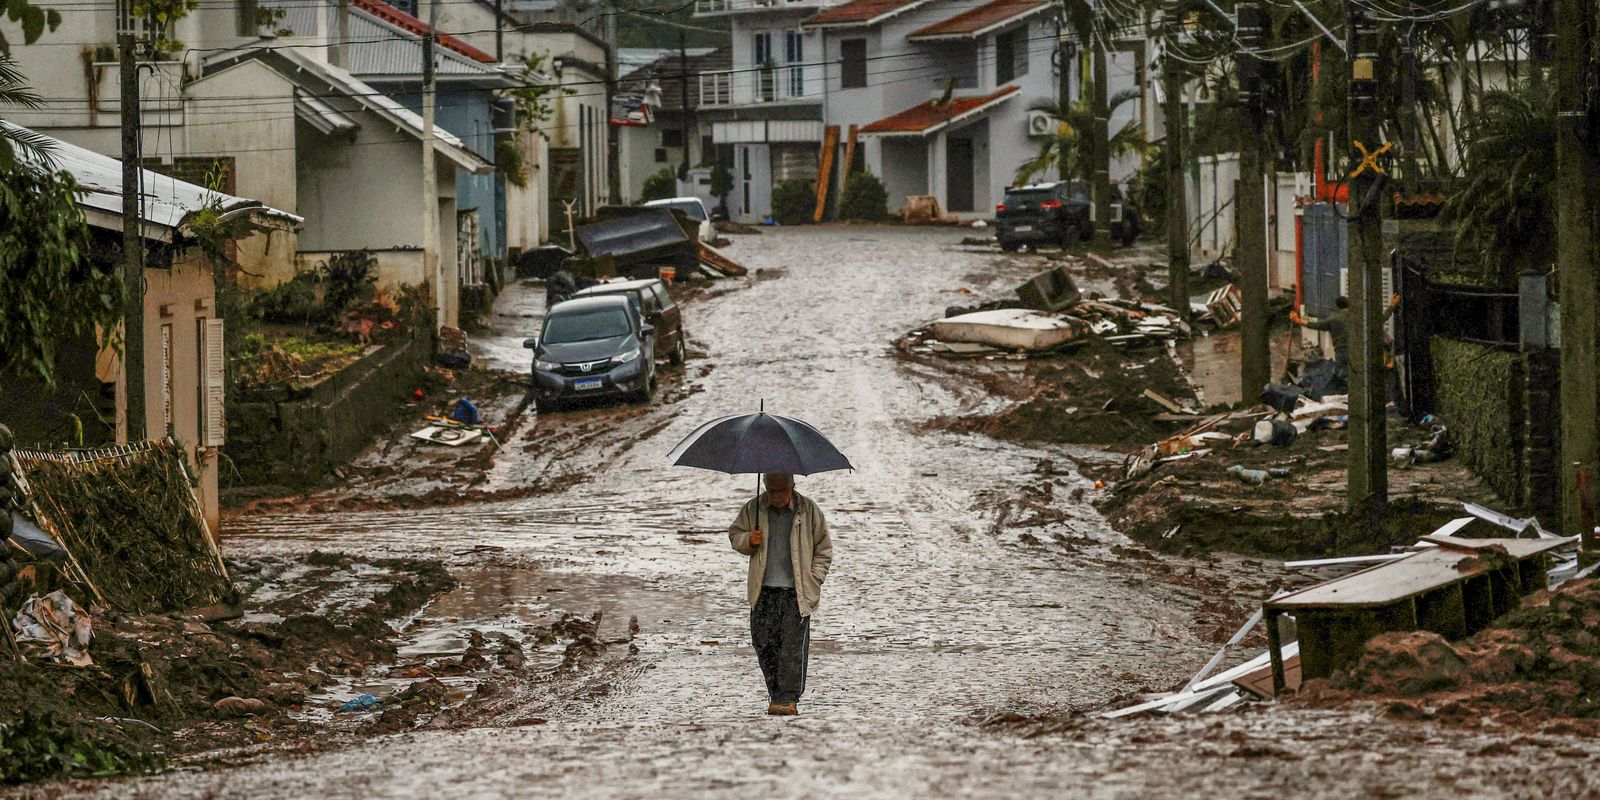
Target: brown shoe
[{"x": 784, "y": 709}]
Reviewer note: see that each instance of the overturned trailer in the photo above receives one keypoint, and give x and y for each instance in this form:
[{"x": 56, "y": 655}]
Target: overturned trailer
[{"x": 640, "y": 242}]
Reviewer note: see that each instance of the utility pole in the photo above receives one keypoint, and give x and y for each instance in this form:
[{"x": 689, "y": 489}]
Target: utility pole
[
  {"x": 613, "y": 145},
  {"x": 1579, "y": 283},
  {"x": 1102, "y": 145},
  {"x": 1177, "y": 193},
  {"x": 683, "y": 94},
  {"x": 432, "y": 259},
  {"x": 1368, "y": 483},
  {"x": 1250, "y": 242},
  {"x": 499, "y": 30},
  {"x": 132, "y": 240}
]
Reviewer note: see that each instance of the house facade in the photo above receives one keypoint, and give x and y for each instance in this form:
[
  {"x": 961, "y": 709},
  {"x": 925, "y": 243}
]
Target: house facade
[
  {"x": 659, "y": 123},
  {"x": 182, "y": 347}
]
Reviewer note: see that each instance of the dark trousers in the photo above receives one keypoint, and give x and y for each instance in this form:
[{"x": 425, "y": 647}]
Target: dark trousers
[{"x": 782, "y": 639}]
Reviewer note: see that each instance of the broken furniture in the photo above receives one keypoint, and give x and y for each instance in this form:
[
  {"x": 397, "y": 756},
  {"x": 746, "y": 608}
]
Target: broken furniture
[
  {"x": 1454, "y": 588},
  {"x": 639, "y": 241},
  {"x": 1051, "y": 290}
]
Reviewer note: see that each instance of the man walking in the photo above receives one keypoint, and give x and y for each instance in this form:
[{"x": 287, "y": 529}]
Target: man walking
[{"x": 786, "y": 538}]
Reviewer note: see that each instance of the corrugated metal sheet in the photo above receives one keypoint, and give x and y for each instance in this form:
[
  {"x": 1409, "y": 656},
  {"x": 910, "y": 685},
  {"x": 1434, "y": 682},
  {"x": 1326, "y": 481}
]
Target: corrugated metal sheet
[
  {"x": 380, "y": 50},
  {"x": 166, "y": 201}
]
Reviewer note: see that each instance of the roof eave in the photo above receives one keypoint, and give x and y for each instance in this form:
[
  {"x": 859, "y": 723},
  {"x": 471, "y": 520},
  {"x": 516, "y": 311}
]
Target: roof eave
[{"x": 980, "y": 32}]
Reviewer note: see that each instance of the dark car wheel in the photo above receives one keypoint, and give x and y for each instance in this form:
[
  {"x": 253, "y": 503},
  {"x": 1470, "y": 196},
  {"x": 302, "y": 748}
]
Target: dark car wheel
[
  {"x": 1070, "y": 236},
  {"x": 680, "y": 351},
  {"x": 1009, "y": 247},
  {"x": 648, "y": 394}
]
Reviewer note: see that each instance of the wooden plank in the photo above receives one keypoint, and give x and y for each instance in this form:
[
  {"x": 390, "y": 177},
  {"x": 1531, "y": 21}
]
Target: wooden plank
[
  {"x": 849, "y": 155},
  {"x": 830, "y": 142},
  {"x": 1389, "y": 583},
  {"x": 1259, "y": 681},
  {"x": 1163, "y": 401}
]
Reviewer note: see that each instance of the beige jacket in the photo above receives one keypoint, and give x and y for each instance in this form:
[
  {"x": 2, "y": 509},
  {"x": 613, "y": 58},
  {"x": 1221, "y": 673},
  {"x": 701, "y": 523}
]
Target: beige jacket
[{"x": 809, "y": 545}]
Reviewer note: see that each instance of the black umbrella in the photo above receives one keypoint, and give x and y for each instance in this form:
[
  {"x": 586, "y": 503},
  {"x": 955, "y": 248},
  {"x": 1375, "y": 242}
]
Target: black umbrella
[{"x": 758, "y": 443}]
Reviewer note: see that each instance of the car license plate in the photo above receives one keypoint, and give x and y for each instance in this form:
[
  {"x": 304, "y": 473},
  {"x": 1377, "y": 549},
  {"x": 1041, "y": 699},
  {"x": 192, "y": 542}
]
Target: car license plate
[
  {"x": 586, "y": 384},
  {"x": 1024, "y": 228}
]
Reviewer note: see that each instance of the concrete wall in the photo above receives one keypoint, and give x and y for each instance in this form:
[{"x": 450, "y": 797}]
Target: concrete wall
[
  {"x": 177, "y": 303},
  {"x": 910, "y": 154},
  {"x": 295, "y": 437},
  {"x": 527, "y": 206}
]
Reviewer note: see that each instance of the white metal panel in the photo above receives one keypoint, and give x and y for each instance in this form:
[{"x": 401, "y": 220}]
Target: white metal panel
[
  {"x": 794, "y": 130},
  {"x": 739, "y": 132}
]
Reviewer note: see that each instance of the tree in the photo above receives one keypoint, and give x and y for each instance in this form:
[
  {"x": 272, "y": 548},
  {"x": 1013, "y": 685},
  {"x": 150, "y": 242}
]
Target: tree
[
  {"x": 1504, "y": 209},
  {"x": 1070, "y": 150},
  {"x": 34, "y": 20},
  {"x": 794, "y": 200},
  {"x": 660, "y": 186}
]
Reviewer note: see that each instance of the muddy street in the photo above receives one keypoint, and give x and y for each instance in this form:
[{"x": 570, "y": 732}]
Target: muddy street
[{"x": 949, "y": 624}]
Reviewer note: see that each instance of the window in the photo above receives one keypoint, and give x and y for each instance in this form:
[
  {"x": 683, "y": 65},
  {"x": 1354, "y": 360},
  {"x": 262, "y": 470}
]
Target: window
[
  {"x": 853, "y": 68},
  {"x": 661, "y": 155},
  {"x": 794, "y": 53},
  {"x": 763, "y": 49},
  {"x": 1010, "y": 55}
]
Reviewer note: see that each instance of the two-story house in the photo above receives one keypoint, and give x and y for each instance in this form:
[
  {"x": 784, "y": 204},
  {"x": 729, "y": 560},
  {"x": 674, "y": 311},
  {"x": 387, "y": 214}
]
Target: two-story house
[
  {"x": 765, "y": 110},
  {"x": 940, "y": 91}
]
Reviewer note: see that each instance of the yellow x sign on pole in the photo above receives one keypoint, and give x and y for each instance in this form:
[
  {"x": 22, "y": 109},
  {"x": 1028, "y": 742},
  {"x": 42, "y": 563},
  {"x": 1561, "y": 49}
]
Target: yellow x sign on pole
[{"x": 1370, "y": 158}]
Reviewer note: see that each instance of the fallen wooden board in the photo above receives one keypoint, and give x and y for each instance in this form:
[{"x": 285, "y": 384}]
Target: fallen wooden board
[
  {"x": 1259, "y": 681},
  {"x": 1163, "y": 401},
  {"x": 719, "y": 262},
  {"x": 830, "y": 142}
]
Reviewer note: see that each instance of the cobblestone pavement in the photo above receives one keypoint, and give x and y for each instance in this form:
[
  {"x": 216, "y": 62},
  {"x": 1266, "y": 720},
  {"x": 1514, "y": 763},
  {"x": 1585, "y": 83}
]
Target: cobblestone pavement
[{"x": 935, "y": 615}]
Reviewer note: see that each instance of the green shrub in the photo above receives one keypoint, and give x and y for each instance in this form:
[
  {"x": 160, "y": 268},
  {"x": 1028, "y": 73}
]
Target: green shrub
[
  {"x": 794, "y": 200},
  {"x": 864, "y": 198},
  {"x": 660, "y": 186},
  {"x": 1478, "y": 393}
]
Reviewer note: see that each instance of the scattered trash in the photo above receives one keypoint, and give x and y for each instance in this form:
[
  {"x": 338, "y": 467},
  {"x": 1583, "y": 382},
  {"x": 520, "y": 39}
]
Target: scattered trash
[
  {"x": 466, "y": 413},
  {"x": 365, "y": 702},
  {"x": 238, "y": 706},
  {"x": 978, "y": 223},
  {"x": 55, "y": 629},
  {"x": 1277, "y": 432},
  {"x": 453, "y": 351},
  {"x": 1254, "y": 477},
  {"x": 452, "y": 435},
  {"x": 1225, "y": 306},
  {"x": 1051, "y": 290}
]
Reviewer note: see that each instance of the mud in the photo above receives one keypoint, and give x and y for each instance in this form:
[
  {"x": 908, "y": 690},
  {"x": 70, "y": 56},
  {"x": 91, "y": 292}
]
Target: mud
[
  {"x": 1298, "y": 516},
  {"x": 1535, "y": 668},
  {"x": 1092, "y": 396},
  {"x": 970, "y": 579}
]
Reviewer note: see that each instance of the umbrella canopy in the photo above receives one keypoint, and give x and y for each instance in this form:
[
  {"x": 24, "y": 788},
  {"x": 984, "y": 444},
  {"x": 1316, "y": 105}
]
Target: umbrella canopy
[{"x": 758, "y": 443}]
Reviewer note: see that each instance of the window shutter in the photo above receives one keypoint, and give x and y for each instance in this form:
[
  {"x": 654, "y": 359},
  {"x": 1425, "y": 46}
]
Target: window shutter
[{"x": 215, "y": 386}]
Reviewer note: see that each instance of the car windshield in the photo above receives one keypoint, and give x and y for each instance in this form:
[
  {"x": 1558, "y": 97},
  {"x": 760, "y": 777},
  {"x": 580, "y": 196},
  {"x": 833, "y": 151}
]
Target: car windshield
[
  {"x": 1078, "y": 191},
  {"x": 583, "y": 326},
  {"x": 690, "y": 209}
]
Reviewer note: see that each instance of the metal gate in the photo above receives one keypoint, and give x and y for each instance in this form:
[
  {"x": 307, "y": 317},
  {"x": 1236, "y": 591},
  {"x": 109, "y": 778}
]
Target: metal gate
[{"x": 1326, "y": 240}]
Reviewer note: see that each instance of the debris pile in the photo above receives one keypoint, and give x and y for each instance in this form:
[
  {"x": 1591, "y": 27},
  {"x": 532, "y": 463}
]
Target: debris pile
[
  {"x": 1542, "y": 659},
  {"x": 127, "y": 515}
]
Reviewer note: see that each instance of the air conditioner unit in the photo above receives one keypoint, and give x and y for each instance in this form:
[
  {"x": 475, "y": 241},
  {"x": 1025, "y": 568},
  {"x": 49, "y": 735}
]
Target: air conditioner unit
[{"x": 1041, "y": 124}]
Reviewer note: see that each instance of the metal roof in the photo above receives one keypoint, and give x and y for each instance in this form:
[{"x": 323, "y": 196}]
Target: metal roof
[
  {"x": 166, "y": 202},
  {"x": 376, "y": 52},
  {"x": 332, "y": 82}
]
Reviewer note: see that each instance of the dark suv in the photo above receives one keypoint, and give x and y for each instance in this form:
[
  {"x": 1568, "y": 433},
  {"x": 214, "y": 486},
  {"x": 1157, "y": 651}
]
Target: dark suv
[
  {"x": 592, "y": 347},
  {"x": 655, "y": 305},
  {"x": 1058, "y": 213}
]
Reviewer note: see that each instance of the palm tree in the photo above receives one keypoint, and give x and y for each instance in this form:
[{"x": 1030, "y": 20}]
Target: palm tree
[
  {"x": 1070, "y": 150},
  {"x": 14, "y": 92}
]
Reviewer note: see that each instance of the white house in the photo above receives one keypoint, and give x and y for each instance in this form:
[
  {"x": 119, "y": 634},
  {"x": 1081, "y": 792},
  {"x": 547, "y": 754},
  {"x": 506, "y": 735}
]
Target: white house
[{"x": 939, "y": 92}]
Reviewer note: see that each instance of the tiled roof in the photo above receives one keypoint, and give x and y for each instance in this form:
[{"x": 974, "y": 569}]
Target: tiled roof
[
  {"x": 980, "y": 19},
  {"x": 858, "y": 12},
  {"x": 403, "y": 20},
  {"x": 930, "y": 116}
]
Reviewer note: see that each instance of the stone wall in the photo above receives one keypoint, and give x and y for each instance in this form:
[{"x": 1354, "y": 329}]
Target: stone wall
[{"x": 295, "y": 435}]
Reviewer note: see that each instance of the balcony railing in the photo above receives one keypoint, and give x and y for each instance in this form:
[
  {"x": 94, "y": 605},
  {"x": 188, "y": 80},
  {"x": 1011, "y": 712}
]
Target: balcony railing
[
  {"x": 780, "y": 83},
  {"x": 702, "y": 7}
]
